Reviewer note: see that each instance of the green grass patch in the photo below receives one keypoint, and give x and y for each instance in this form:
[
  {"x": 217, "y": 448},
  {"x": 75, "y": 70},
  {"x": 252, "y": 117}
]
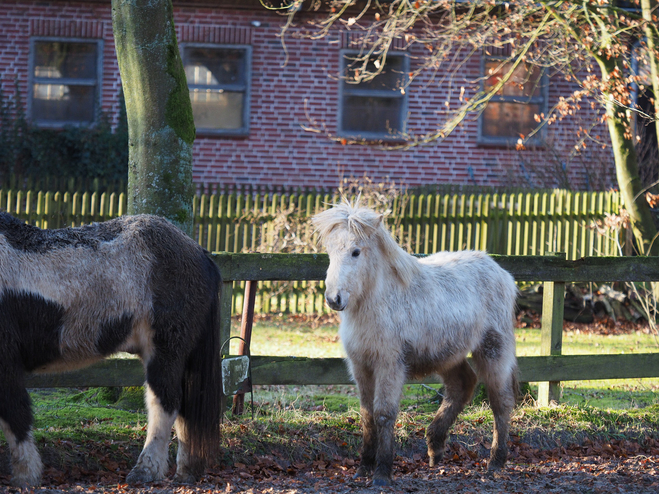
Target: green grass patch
[{"x": 528, "y": 343}]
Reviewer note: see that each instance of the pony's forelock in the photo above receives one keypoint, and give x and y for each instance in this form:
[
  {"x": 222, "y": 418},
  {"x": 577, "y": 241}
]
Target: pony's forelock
[
  {"x": 359, "y": 221},
  {"x": 366, "y": 224}
]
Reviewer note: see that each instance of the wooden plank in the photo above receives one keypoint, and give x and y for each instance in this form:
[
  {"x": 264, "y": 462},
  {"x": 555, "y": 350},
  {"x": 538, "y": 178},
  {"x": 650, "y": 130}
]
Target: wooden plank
[
  {"x": 523, "y": 268},
  {"x": 226, "y": 301},
  {"x": 551, "y": 342},
  {"x": 303, "y": 370}
]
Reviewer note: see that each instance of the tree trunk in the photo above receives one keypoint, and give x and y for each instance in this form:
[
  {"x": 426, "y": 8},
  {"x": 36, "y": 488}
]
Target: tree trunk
[
  {"x": 631, "y": 188},
  {"x": 647, "y": 7},
  {"x": 160, "y": 123}
]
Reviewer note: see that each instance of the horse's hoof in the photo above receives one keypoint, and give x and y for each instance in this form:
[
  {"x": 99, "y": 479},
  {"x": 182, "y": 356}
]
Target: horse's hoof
[
  {"x": 22, "y": 483},
  {"x": 184, "y": 478},
  {"x": 381, "y": 482},
  {"x": 139, "y": 476},
  {"x": 434, "y": 459},
  {"x": 361, "y": 473}
]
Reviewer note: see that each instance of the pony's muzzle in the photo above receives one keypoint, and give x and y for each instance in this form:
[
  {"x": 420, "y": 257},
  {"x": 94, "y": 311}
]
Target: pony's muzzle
[{"x": 338, "y": 302}]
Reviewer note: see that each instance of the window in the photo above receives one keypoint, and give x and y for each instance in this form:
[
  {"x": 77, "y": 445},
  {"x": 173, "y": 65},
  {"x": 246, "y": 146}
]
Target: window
[
  {"x": 219, "y": 82},
  {"x": 64, "y": 78},
  {"x": 376, "y": 109},
  {"x": 511, "y": 112}
]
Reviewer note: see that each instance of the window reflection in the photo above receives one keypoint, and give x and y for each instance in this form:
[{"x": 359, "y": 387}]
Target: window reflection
[
  {"x": 64, "y": 81},
  {"x": 218, "y": 82}
]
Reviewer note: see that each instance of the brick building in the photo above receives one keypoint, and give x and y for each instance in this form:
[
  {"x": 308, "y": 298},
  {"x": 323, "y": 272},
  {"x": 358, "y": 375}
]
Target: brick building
[{"x": 252, "y": 101}]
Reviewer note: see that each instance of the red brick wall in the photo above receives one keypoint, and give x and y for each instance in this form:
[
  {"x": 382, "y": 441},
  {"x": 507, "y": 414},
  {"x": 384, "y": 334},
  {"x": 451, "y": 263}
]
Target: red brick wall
[{"x": 278, "y": 151}]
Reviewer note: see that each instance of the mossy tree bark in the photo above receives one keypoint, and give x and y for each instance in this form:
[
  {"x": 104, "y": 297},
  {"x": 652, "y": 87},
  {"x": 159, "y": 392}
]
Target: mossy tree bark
[
  {"x": 160, "y": 124},
  {"x": 650, "y": 12},
  {"x": 626, "y": 163}
]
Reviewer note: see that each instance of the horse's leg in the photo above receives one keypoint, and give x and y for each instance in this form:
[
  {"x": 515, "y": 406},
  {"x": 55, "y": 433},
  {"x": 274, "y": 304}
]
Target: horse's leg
[
  {"x": 497, "y": 368},
  {"x": 389, "y": 383},
  {"x": 152, "y": 463},
  {"x": 501, "y": 391},
  {"x": 164, "y": 374},
  {"x": 366, "y": 387},
  {"x": 502, "y": 401},
  {"x": 16, "y": 423},
  {"x": 459, "y": 384},
  {"x": 188, "y": 468}
]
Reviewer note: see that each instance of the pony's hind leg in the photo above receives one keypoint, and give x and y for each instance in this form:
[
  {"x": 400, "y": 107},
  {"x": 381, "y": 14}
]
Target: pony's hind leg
[
  {"x": 459, "y": 384},
  {"x": 16, "y": 423},
  {"x": 188, "y": 467},
  {"x": 502, "y": 393},
  {"x": 152, "y": 463},
  {"x": 497, "y": 368}
]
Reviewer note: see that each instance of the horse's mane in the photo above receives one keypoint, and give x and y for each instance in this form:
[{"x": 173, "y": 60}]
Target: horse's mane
[{"x": 367, "y": 224}]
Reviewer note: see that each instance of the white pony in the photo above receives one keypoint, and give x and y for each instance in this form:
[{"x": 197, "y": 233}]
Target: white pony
[{"x": 405, "y": 317}]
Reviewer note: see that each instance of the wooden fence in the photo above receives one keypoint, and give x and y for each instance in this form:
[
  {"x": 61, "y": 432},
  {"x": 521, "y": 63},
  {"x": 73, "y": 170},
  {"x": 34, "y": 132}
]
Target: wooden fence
[
  {"x": 531, "y": 223},
  {"x": 511, "y": 224},
  {"x": 548, "y": 369}
]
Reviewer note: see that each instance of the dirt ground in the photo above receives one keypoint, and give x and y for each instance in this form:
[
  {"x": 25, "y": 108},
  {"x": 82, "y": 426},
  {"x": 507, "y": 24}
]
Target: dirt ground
[{"x": 616, "y": 467}]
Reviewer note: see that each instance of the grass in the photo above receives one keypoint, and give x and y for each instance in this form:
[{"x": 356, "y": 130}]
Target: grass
[
  {"x": 301, "y": 422},
  {"x": 291, "y": 336},
  {"x": 87, "y": 431}
]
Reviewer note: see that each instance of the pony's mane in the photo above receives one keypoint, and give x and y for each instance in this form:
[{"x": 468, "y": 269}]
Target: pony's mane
[{"x": 367, "y": 224}]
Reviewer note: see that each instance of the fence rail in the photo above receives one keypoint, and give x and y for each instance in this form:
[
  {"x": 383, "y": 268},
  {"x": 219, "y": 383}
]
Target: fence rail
[{"x": 548, "y": 369}]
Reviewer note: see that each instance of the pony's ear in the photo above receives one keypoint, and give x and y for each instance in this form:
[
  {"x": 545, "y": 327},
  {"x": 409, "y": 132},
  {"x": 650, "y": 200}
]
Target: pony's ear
[{"x": 374, "y": 220}]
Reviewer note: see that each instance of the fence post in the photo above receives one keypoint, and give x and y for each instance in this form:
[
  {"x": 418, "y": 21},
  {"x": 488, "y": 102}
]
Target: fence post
[
  {"x": 226, "y": 305},
  {"x": 553, "y": 306}
]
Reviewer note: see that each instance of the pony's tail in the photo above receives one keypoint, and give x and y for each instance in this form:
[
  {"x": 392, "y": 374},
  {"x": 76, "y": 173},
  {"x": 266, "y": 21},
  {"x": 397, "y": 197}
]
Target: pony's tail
[{"x": 202, "y": 384}]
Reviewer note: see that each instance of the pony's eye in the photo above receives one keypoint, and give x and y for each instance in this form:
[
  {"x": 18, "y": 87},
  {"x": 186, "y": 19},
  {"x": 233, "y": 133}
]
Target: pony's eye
[{"x": 356, "y": 252}]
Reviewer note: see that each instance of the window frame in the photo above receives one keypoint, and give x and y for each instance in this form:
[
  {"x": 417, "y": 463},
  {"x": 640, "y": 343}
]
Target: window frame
[
  {"x": 542, "y": 100},
  {"x": 97, "y": 83},
  {"x": 246, "y": 88},
  {"x": 352, "y": 90}
]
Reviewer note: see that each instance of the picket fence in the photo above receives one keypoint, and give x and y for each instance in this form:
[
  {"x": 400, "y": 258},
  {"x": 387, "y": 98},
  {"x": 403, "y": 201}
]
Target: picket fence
[{"x": 522, "y": 223}]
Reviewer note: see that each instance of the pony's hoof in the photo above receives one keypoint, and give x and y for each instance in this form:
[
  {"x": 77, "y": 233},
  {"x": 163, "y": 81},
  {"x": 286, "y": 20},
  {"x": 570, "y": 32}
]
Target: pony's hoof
[
  {"x": 22, "y": 483},
  {"x": 434, "y": 459},
  {"x": 140, "y": 476},
  {"x": 184, "y": 478},
  {"x": 381, "y": 482},
  {"x": 361, "y": 473}
]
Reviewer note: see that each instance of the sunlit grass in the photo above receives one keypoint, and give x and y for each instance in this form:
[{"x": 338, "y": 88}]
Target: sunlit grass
[{"x": 283, "y": 337}]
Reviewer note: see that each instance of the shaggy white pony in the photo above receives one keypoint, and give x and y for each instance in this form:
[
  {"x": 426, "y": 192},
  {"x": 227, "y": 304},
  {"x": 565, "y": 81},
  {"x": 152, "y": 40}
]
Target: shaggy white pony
[{"x": 405, "y": 317}]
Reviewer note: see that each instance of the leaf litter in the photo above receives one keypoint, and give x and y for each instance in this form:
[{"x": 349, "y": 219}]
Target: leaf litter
[{"x": 593, "y": 466}]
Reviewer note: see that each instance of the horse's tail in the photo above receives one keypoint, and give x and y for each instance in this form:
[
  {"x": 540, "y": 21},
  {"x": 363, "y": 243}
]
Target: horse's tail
[{"x": 201, "y": 407}]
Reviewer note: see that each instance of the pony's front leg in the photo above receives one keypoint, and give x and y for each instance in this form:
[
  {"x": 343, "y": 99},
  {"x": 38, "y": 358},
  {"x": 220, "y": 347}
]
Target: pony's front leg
[
  {"x": 152, "y": 463},
  {"x": 366, "y": 386},
  {"x": 389, "y": 381}
]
